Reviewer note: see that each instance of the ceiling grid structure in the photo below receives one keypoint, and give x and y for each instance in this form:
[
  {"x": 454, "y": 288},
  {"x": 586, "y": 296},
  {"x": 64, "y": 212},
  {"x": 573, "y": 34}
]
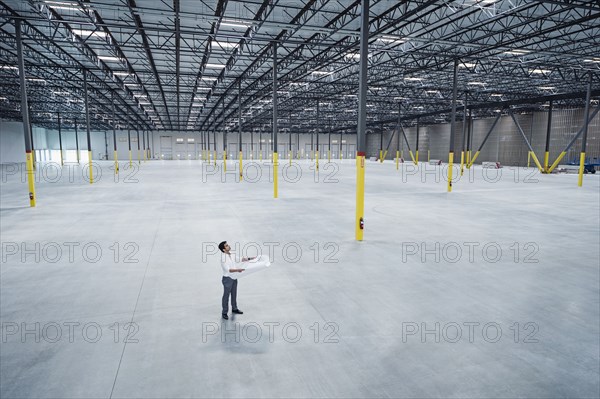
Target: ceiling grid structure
[{"x": 176, "y": 65}]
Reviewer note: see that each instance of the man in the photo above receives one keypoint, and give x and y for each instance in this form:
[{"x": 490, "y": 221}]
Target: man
[{"x": 229, "y": 280}]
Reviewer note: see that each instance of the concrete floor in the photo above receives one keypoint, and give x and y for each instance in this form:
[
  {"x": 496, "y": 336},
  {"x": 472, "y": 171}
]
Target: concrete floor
[{"x": 367, "y": 311}]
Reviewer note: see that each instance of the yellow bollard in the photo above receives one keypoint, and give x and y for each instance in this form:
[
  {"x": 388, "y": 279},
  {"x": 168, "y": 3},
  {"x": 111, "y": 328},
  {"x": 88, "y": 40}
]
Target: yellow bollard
[
  {"x": 275, "y": 174},
  {"x": 90, "y": 165},
  {"x": 224, "y": 161},
  {"x": 215, "y": 156},
  {"x": 241, "y": 177},
  {"x": 360, "y": 196},
  {"x": 30, "y": 177},
  {"x": 317, "y": 160},
  {"x": 546, "y": 158},
  {"x": 417, "y": 157},
  {"x": 473, "y": 160},
  {"x": 130, "y": 158},
  {"x": 462, "y": 162},
  {"x": 581, "y": 168},
  {"x": 397, "y": 160},
  {"x": 116, "y": 163},
  {"x": 290, "y": 156},
  {"x": 450, "y": 164},
  {"x": 428, "y": 158},
  {"x": 328, "y": 156},
  {"x": 380, "y": 156}
]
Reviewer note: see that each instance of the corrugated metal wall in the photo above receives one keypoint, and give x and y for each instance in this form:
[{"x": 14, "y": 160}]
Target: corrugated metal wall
[{"x": 505, "y": 144}]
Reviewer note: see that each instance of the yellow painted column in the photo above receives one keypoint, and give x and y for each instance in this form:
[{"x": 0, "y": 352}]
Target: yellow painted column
[
  {"x": 290, "y": 156},
  {"x": 450, "y": 167},
  {"x": 384, "y": 155},
  {"x": 462, "y": 162},
  {"x": 30, "y": 177},
  {"x": 397, "y": 160},
  {"x": 90, "y": 165},
  {"x": 417, "y": 157},
  {"x": 581, "y": 168},
  {"x": 215, "y": 157},
  {"x": 428, "y": 158},
  {"x": 360, "y": 196},
  {"x": 546, "y": 159},
  {"x": 380, "y": 156},
  {"x": 130, "y": 158},
  {"x": 328, "y": 156},
  {"x": 241, "y": 177},
  {"x": 260, "y": 155},
  {"x": 225, "y": 161},
  {"x": 62, "y": 162},
  {"x": 317, "y": 159},
  {"x": 275, "y": 175},
  {"x": 116, "y": 163}
]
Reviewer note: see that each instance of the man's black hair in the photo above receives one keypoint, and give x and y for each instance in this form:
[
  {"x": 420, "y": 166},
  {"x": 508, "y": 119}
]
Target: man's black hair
[{"x": 222, "y": 246}]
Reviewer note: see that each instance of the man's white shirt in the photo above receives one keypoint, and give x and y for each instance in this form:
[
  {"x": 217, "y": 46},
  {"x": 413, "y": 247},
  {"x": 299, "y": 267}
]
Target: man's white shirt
[{"x": 228, "y": 262}]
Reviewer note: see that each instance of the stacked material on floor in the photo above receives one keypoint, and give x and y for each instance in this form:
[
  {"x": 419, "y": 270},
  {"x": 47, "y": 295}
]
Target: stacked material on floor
[{"x": 491, "y": 165}]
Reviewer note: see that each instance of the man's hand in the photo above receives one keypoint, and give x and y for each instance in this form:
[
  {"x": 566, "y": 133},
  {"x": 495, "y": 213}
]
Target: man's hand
[{"x": 241, "y": 270}]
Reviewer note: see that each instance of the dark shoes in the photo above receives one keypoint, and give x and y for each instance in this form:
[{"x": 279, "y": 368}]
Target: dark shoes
[
  {"x": 224, "y": 315},
  {"x": 237, "y": 311}
]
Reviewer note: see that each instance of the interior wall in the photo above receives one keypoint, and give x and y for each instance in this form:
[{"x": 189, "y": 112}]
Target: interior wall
[{"x": 505, "y": 144}]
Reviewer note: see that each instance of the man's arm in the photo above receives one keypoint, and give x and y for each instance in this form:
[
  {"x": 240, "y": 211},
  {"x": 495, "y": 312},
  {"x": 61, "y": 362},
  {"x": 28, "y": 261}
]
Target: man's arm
[{"x": 236, "y": 270}]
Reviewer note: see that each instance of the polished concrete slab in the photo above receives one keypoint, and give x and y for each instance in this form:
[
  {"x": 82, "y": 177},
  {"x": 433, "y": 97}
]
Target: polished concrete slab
[{"x": 113, "y": 289}]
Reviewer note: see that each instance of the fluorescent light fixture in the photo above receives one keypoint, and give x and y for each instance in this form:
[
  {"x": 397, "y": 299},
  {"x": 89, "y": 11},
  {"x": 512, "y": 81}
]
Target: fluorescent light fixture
[
  {"x": 36, "y": 80},
  {"x": 417, "y": 107},
  {"x": 370, "y": 105},
  {"x": 8, "y": 67},
  {"x": 349, "y": 110},
  {"x": 119, "y": 73},
  {"x": 497, "y": 110},
  {"x": 546, "y": 87},
  {"x": 144, "y": 103},
  {"x": 496, "y": 95},
  {"x": 225, "y": 44},
  {"x": 209, "y": 77},
  {"x": 235, "y": 24},
  {"x": 414, "y": 79},
  {"x": 57, "y": 5},
  {"x": 517, "y": 52},
  {"x": 61, "y": 93},
  {"x": 350, "y": 95},
  {"x": 391, "y": 39},
  {"x": 476, "y": 83},
  {"x": 432, "y": 91},
  {"x": 3, "y": 98},
  {"x": 594, "y": 59},
  {"x": 215, "y": 66},
  {"x": 109, "y": 58},
  {"x": 399, "y": 98},
  {"x": 466, "y": 65},
  {"x": 83, "y": 32},
  {"x": 204, "y": 88},
  {"x": 321, "y": 73},
  {"x": 539, "y": 71},
  {"x": 197, "y": 105}
]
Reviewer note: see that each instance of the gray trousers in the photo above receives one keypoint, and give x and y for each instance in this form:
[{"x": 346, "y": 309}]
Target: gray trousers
[{"x": 229, "y": 287}]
